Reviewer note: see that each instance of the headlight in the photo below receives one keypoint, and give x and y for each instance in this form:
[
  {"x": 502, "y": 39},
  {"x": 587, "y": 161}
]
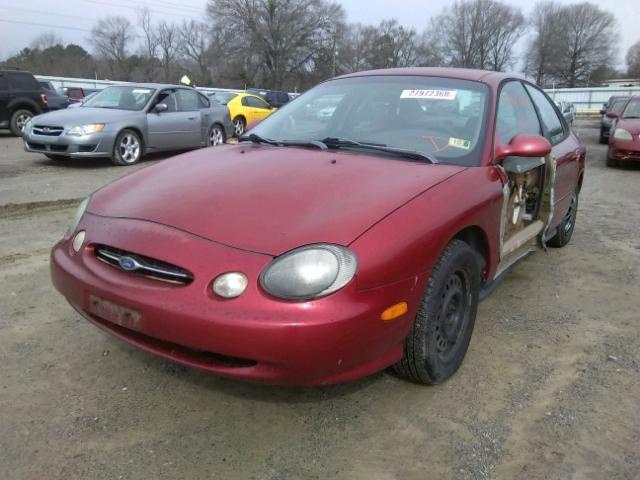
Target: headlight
[
  {"x": 309, "y": 272},
  {"x": 78, "y": 215},
  {"x": 622, "y": 134},
  {"x": 81, "y": 130}
]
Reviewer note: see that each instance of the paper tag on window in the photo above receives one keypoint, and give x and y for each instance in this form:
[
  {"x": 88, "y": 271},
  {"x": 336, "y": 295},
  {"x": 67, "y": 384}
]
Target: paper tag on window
[
  {"x": 430, "y": 94},
  {"x": 459, "y": 143},
  {"x": 140, "y": 90}
]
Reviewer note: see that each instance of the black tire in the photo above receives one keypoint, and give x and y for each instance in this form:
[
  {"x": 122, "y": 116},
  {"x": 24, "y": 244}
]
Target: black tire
[
  {"x": 18, "y": 119},
  {"x": 55, "y": 157},
  {"x": 127, "y": 149},
  {"x": 611, "y": 162},
  {"x": 448, "y": 309},
  {"x": 239, "y": 126},
  {"x": 216, "y": 136},
  {"x": 568, "y": 223}
]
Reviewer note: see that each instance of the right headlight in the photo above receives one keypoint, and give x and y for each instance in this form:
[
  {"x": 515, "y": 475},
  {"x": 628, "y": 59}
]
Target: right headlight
[
  {"x": 622, "y": 134},
  {"x": 309, "y": 272},
  {"x": 78, "y": 215}
]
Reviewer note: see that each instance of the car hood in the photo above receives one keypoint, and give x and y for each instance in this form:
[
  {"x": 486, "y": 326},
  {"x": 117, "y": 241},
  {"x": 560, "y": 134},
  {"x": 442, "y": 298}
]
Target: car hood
[
  {"x": 632, "y": 125},
  {"x": 269, "y": 199},
  {"x": 83, "y": 115}
]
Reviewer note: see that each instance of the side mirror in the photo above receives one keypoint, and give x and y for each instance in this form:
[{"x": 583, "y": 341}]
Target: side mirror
[
  {"x": 523, "y": 146},
  {"x": 612, "y": 114},
  {"x": 253, "y": 124},
  {"x": 160, "y": 107}
]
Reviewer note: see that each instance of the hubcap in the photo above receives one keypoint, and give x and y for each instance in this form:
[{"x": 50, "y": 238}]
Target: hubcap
[
  {"x": 238, "y": 127},
  {"x": 569, "y": 218},
  {"x": 129, "y": 148},
  {"x": 216, "y": 137},
  {"x": 22, "y": 120},
  {"x": 452, "y": 313}
]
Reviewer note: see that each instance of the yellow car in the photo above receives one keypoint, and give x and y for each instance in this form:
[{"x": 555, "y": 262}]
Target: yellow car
[{"x": 244, "y": 108}]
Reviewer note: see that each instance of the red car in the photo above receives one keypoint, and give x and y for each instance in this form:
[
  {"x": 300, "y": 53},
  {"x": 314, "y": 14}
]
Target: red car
[
  {"x": 329, "y": 245},
  {"x": 624, "y": 140}
]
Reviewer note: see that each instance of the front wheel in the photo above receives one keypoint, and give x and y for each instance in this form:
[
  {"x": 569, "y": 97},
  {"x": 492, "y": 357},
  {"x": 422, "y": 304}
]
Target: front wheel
[
  {"x": 18, "y": 120},
  {"x": 127, "y": 149},
  {"x": 441, "y": 332},
  {"x": 216, "y": 136},
  {"x": 239, "y": 126},
  {"x": 565, "y": 229}
]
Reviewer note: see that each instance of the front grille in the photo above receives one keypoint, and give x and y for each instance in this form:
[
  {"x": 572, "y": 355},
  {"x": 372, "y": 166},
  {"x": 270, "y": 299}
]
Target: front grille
[
  {"x": 144, "y": 266},
  {"x": 58, "y": 148},
  {"x": 47, "y": 130}
]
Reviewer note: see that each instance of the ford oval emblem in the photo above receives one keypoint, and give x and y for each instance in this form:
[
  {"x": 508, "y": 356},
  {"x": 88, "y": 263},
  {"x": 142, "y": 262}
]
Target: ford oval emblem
[{"x": 128, "y": 264}]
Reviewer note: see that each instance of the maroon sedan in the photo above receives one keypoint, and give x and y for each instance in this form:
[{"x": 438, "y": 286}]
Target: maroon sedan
[
  {"x": 624, "y": 139},
  {"x": 354, "y": 229}
]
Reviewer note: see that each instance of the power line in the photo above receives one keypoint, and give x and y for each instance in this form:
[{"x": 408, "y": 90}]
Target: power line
[
  {"x": 47, "y": 25},
  {"x": 167, "y": 10},
  {"x": 50, "y": 13}
]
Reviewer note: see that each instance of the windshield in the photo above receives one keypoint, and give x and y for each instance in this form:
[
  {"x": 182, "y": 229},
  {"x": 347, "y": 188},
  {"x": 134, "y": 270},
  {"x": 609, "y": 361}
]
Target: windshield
[
  {"x": 120, "y": 98},
  {"x": 443, "y": 117},
  {"x": 632, "y": 109},
  {"x": 617, "y": 105},
  {"x": 224, "y": 97}
]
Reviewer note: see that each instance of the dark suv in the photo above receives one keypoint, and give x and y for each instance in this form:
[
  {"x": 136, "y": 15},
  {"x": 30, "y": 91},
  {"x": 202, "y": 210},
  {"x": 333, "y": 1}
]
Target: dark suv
[
  {"x": 274, "y": 98},
  {"x": 21, "y": 97}
]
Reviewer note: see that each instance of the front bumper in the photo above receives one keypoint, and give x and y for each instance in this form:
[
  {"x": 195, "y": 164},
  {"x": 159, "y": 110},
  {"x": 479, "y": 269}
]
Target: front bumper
[
  {"x": 95, "y": 145},
  {"x": 624, "y": 150},
  {"x": 253, "y": 337}
]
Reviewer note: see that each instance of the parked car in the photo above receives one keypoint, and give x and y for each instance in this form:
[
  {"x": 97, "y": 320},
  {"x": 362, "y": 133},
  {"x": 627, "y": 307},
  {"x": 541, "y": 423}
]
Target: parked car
[
  {"x": 126, "y": 122},
  {"x": 614, "y": 104},
  {"x": 274, "y": 98},
  {"x": 56, "y": 100},
  {"x": 624, "y": 141},
  {"x": 316, "y": 252},
  {"x": 568, "y": 111},
  {"x": 74, "y": 94},
  {"x": 21, "y": 97},
  {"x": 244, "y": 109},
  {"x": 82, "y": 102}
]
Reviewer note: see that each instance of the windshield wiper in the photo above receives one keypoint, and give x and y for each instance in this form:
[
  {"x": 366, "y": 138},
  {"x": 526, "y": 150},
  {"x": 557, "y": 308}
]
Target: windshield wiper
[
  {"x": 333, "y": 142},
  {"x": 252, "y": 137}
]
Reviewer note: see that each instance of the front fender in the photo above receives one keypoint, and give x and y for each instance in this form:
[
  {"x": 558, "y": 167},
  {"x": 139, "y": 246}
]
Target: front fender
[{"x": 408, "y": 242}]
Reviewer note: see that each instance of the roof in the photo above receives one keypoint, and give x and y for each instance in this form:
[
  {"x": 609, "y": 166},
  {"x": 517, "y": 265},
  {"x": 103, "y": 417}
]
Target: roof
[{"x": 485, "y": 76}]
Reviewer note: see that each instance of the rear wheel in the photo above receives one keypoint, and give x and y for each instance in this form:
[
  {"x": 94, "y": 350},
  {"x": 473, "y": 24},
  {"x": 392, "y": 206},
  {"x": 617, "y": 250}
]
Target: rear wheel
[
  {"x": 19, "y": 119},
  {"x": 216, "y": 136},
  {"x": 127, "y": 149},
  {"x": 239, "y": 126},
  {"x": 565, "y": 229},
  {"x": 441, "y": 332}
]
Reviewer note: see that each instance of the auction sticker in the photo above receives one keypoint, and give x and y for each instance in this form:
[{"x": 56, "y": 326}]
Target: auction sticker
[
  {"x": 459, "y": 143},
  {"x": 141, "y": 90},
  {"x": 430, "y": 94}
]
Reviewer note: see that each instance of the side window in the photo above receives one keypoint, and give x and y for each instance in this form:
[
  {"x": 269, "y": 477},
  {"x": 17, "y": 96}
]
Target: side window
[
  {"x": 203, "y": 102},
  {"x": 22, "y": 81},
  {"x": 549, "y": 115},
  {"x": 169, "y": 98},
  {"x": 255, "y": 102},
  {"x": 187, "y": 100},
  {"x": 516, "y": 114}
]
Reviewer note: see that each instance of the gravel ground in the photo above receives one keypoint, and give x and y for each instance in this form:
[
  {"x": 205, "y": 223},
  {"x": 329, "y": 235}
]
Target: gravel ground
[{"x": 550, "y": 387}]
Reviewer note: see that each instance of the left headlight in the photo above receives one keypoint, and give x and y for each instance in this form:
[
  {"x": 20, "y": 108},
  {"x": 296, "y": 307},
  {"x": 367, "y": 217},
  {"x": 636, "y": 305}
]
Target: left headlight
[
  {"x": 81, "y": 130},
  {"x": 622, "y": 134},
  {"x": 78, "y": 215},
  {"x": 309, "y": 272}
]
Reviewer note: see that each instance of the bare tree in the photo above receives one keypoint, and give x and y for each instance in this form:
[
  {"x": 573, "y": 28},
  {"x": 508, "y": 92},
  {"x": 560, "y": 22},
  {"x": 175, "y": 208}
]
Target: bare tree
[
  {"x": 477, "y": 33},
  {"x": 195, "y": 38},
  {"x": 544, "y": 21},
  {"x": 111, "y": 38},
  {"x": 167, "y": 34},
  {"x": 46, "y": 40},
  {"x": 390, "y": 45},
  {"x": 150, "y": 44},
  {"x": 633, "y": 60},
  {"x": 279, "y": 36},
  {"x": 588, "y": 37}
]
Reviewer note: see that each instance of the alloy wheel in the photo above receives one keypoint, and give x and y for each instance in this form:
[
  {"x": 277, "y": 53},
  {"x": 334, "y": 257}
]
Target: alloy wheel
[
  {"x": 216, "y": 137},
  {"x": 129, "y": 148}
]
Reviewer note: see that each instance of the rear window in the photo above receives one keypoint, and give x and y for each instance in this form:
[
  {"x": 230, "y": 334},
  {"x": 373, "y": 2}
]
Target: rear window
[{"x": 23, "y": 81}]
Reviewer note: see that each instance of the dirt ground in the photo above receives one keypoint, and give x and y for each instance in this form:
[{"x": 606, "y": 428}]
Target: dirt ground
[{"x": 550, "y": 387}]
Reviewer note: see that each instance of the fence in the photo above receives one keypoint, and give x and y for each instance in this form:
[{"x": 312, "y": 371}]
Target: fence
[{"x": 590, "y": 100}]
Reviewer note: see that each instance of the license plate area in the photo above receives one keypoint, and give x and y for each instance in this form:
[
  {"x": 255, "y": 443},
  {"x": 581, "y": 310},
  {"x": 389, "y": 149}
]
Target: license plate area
[{"x": 114, "y": 313}]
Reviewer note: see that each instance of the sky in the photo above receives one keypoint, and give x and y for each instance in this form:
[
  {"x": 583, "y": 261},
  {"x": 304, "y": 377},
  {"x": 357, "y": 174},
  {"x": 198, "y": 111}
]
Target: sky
[{"x": 72, "y": 19}]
